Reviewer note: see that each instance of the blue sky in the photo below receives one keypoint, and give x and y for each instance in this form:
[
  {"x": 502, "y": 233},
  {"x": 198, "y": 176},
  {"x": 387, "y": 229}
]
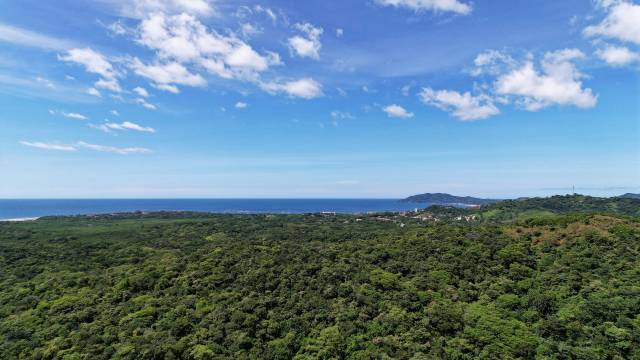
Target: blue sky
[{"x": 363, "y": 98}]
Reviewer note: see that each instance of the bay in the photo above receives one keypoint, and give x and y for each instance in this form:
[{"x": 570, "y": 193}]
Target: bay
[{"x": 16, "y": 209}]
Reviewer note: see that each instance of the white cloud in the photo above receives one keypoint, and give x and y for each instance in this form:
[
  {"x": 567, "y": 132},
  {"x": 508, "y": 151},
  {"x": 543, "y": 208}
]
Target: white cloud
[
  {"x": 141, "y": 8},
  {"x": 339, "y": 33},
  {"x": 243, "y": 58},
  {"x": 305, "y": 88},
  {"x": 110, "y": 84},
  {"x": 23, "y": 37},
  {"x": 248, "y": 30},
  {"x": 406, "y": 90},
  {"x": 114, "y": 150},
  {"x": 556, "y": 81},
  {"x": 46, "y": 82},
  {"x": 166, "y": 75},
  {"x": 622, "y": 22},
  {"x": 559, "y": 83},
  {"x": 69, "y": 115},
  {"x": 174, "y": 37},
  {"x": 185, "y": 49},
  {"x": 617, "y": 55},
  {"x": 165, "y": 87},
  {"x": 73, "y": 115},
  {"x": 101, "y": 127},
  {"x": 115, "y": 113},
  {"x": 93, "y": 62},
  {"x": 308, "y": 45},
  {"x": 48, "y": 146},
  {"x": 241, "y": 105},
  {"x": 492, "y": 62},
  {"x": 184, "y": 39},
  {"x": 431, "y": 5},
  {"x": 82, "y": 144},
  {"x": 94, "y": 92},
  {"x": 341, "y": 115},
  {"x": 118, "y": 28},
  {"x": 464, "y": 106},
  {"x": 144, "y": 103},
  {"x": 202, "y": 7},
  {"x": 141, "y": 91},
  {"x": 127, "y": 125},
  {"x": 366, "y": 89},
  {"x": 397, "y": 111},
  {"x": 270, "y": 13}
]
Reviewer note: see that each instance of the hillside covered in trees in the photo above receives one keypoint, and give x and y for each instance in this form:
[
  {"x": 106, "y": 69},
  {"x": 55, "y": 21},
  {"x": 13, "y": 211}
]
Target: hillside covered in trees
[
  {"x": 509, "y": 211},
  {"x": 558, "y": 285}
]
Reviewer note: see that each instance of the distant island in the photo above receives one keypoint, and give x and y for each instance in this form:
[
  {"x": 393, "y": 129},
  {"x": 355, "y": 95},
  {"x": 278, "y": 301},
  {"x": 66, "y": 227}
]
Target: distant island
[{"x": 448, "y": 199}]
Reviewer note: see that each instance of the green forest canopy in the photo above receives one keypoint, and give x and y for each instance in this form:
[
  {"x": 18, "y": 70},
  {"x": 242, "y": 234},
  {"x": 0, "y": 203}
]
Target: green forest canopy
[{"x": 196, "y": 286}]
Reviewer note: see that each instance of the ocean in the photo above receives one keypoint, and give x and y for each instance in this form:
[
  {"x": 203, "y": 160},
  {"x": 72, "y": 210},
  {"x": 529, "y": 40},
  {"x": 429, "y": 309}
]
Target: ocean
[{"x": 16, "y": 209}]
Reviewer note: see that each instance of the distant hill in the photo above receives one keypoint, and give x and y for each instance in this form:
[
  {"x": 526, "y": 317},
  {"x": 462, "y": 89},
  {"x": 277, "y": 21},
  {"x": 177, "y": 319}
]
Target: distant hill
[
  {"x": 554, "y": 205},
  {"x": 630, "y": 196},
  {"x": 448, "y": 199}
]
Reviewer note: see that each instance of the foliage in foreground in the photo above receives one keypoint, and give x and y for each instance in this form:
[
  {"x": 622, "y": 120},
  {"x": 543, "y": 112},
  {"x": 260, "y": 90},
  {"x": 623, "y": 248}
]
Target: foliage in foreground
[{"x": 318, "y": 287}]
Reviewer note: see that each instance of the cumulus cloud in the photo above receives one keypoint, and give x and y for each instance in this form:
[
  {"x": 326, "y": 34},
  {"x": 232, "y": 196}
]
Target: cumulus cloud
[
  {"x": 241, "y": 105},
  {"x": 145, "y": 103},
  {"x": 397, "y": 111},
  {"x": 558, "y": 82},
  {"x": 48, "y": 146},
  {"x": 492, "y": 62},
  {"x": 454, "y": 6},
  {"x": 93, "y": 61},
  {"x": 141, "y": 91},
  {"x": 96, "y": 63},
  {"x": 307, "y": 45},
  {"x": 464, "y": 106},
  {"x": 166, "y": 87},
  {"x": 617, "y": 55},
  {"x": 184, "y": 39},
  {"x": 110, "y": 84},
  {"x": 555, "y": 80},
  {"x": 622, "y": 22},
  {"x": 186, "y": 50},
  {"x": 166, "y": 76},
  {"x": 305, "y": 88},
  {"x": 94, "y": 92}
]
